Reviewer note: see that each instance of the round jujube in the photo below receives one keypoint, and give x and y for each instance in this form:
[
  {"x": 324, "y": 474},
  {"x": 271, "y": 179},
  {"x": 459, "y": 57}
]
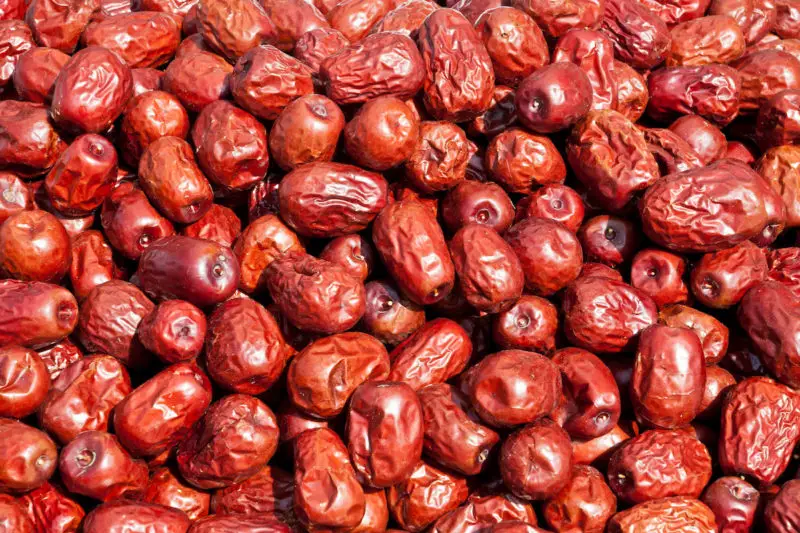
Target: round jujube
[{"x": 34, "y": 246}]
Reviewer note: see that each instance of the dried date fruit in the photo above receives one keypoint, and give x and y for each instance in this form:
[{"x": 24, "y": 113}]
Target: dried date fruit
[
  {"x": 459, "y": 81},
  {"x": 232, "y": 27},
  {"x": 28, "y": 459},
  {"x": 721, "y": 279},
  {"x": 641, "y": 39},
  {"x": 35, "y": 314},
  {"x": 678, "y": 513},
  {"x": 306, "y": 131},
  {"x": 586, "y": 503},
  {"x": 711, "y": 91},
  {"x": 734, "y": 502},
  {"x": 425, "y": 496},
  {"x": 143, "y": 40}
]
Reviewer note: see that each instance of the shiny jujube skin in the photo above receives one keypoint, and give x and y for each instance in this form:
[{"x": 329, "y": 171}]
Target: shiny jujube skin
[
  {"x": 59, "y": 356},
  {"x": 553, "y": 98},
  {"x": 679, "y": 513},
  {"x": 705, "y": 138},
  {"x": 167, "y": 489},
  {"x": 182, "y": 75},
  {"x": 384, "y": 432},
  {"x": 712, "y": 333},
  {"x": 237, "y": 420},
  {"x": 307, "y": 130},
  {"x": 28, "y": 459},
  {"x": 141, "y": 40},
  {"x": 711, "y": 91},
  {"x": 95, "y": 464},
  {"x": 174, "y": 331},
  {"x": 35, "y": 314},
  {"x": 92, "y": 262},
  {"x": 484, "y": 508},
  {"x": 721, "y": 279},
  {"x": 382, "y": 134},
  {"x": 121, "y": 515},
  {"x": 555, "y": 202},
  {"x": 35, "y": 73},
  {"x": 149, "y": 117},
  {"x": 586, "y": 502},
  {"x": 660, "y": 275},
  {"x": 220, "y": 224},
  {"x": 530, "y": 324},
  {"x": 263, "y": 240},
  {"x": 734, "y": 502},
  {"x": 609, "y": 239},
  {"x": 140, "y": 421},
  {"x": 29, "y": 145},
  {"x": 323, "y": 376},
  {"x": 668, "y": 377},
  {"x": 24, "y": 381},
  {"x": 34, "y": 246},
  {"x": 440, "y": 157},
  {"x": 321, "y": 457},
  {"x": 201, "y": 272},
  {"x": 83, "y": 397},
  {"x": 51, "y": 511},
  {"x": 389, "y": 316}
]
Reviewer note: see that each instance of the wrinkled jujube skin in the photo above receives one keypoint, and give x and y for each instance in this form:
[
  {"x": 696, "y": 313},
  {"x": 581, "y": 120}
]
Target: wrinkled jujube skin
[
  {"x": 316, "y": 45},
  {"x": 146, "y": 80},
  {"x": 83, "y": 176},
  {"x": 764, "y": 74},
  {"x": 130, "y": 221},
  {"x": 584, "y": 504},
  {"x": 550, "y": 254},
  {"x": 672, "y": 153},
  {"x": 220, "y": 224},
  {"x": 231, "y": 146},
  {"x": 711, "y": 91},
  {"x": 355, "y": 18},
  {"x": 678, "y": 513},
  {"x": 95, "y": 464},
  {"x": 536, "y": 461},
  {"x": 135, "y": 516},
  {"x": 389, "y": 316},
  {"x": 734, "y": 502},
  {"x": 59, "y": 356},
  {"x": 265, "y": 80},
  {"x": 669, "y": 377},
  {"x": 83, "y": 397},
  {"x": 604, "y": 315},
  {"x": 555, "y": 19},
  {"x": 784, "y": 268},
  {"x": 326, "y": 492},
  {"x": 706, "y": 40},
  {"x": 51, "y": 511},
  {"x": 269, "y": 492},
  {"x": 306, "y": 131},
  {"x": 780, "y": 514},
  {"x": 59, "y": 24},
  {"x": 24, "y": 381},
  {"x": 28, "y": 457},
  {"x": 754, "y": 17},
  {"x": 384, "y": 432},
  {"x": 609, "y": 156},
  {"x": 641, "y": 39},
  {"x": 237, "y": 422},
  {"x": 380, "y": 64},
  {"x": 292, "y": 19},
  {"x": 159, "y": 413},
  {"x": 530, "y": 323},
  {"x": 232, "y": 27},
  {"x": 440, "y": 157},
  {"x": 148, "y": 117},
  {"x": 35, "y": 314},
  {"x": 167, "y": 489},
  {"x": 198, "y": 79},
  {"x": 600, "y": 270},
  {"x": 712, "y": 333},
  {"x": 777, "y": 123},
  {"x": 15, "y": 40},
  {"x": 314, "y": 294},
  {"x": 513, "y": 387},
  {"x": 658, "y": 464},
  {"x": 406, "y": 17},
  {"x": 600, "y": 449},
  {"x": 323, "y": 376},
  {"x": 758, "y": 429},
  {"x": 482, "y": 509},
  {"x": 141, "y": 40},
  {"x": 202, "y": 272},
  {"x": 108, "y": 320},
  {"x": 780, "y": 167},
  {"x": 514, "y": 42},
  {"x": 502, "y": 114},
  {"x": 554, "y": 97},
  {"x": 609, "y": 239},
  {"x": 707, "y": 209},
  {"x": 453, "y": 437},
  {"x": 12, "y": 9},
  {"x": 240, "y": 524},
  {"x": 15, "y": 196},
  {"x": 411, "y": 244},
  {"x": 659, "y": 274},
  {"x": 29, "y": 145},
  {"x": 34, "y": 246},
  {"x": 91, "y": 91},
  {"x": 721, "y": 279},
  {"x": 174, "y": 331},
  {"x": 426, "y": 496},
  {"x": 245, "y": 349},
  {"x": 434, "y": 353},
  {"x": 324, "y": 199},
  {"x": 769, "y": 313},
  {"x": 521, "y": 162},
  {"x": 489, "y": 272},
  {"x": 590, "y": 406},
  {"x": 459, "y": 80},
  {"x": 382, "y": 134},
  {"x": 263, "y": 241}
]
